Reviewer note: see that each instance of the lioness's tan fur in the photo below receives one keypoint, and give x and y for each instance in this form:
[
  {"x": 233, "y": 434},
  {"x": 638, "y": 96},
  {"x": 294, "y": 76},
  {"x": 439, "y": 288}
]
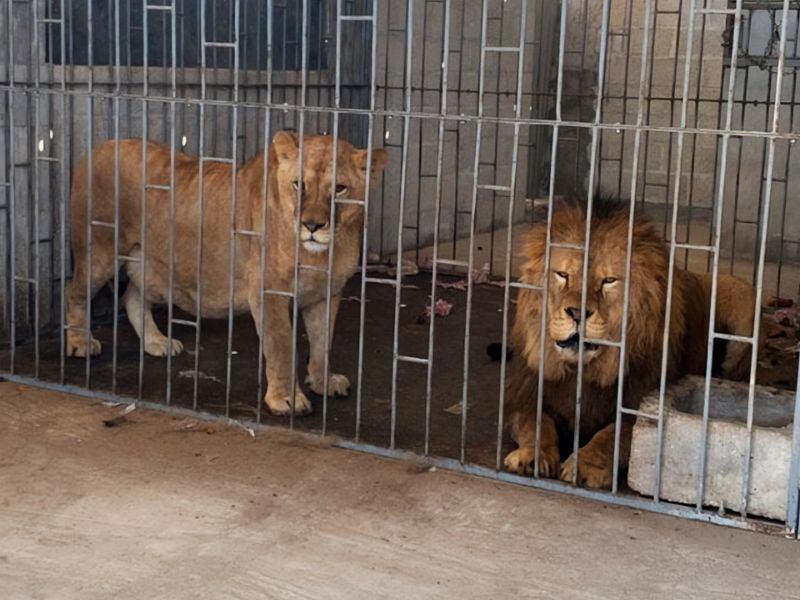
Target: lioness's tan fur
[{"x": 281, "y": 232}]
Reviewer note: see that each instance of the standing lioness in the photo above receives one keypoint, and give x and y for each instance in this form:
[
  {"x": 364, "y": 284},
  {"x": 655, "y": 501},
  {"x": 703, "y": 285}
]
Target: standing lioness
[{"x": 279, "y": 267}]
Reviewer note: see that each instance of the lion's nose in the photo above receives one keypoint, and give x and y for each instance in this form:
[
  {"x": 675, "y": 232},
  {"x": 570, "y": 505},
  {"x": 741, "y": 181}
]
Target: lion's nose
[
  {"x": 575, "y": 313},
  {"x": 313, "y": 225}
]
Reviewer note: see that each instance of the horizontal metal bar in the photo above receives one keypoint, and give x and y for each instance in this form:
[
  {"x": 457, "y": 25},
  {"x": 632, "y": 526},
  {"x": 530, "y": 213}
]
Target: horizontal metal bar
[
  {"x": 248, "y": 232},
  {"x": 638, "y": 413},
  {"x": 701, "y": 247},
  {"x": 229, "y": 161},
  {"x": 314, "y": 268},
  {"x": 381, "y": 280},
  {"x": 220, "y": 44},
  {"x": 716, "y": 11},
  {"x": 125, "y": 258},
  {"x": 417, "y": 115},
  {"x": 494, "y": 188},
  {"x": 103, "y": 224},
  {"x": 451, "y": 262},
  {"x": 566, "y": 246},
  {"x": 357, "y": 17},
  {"x": 349, "y": 201},
  {"x": 49, "y": 21},
  {"x": 608, "y": 343},
  {"x": 163, "y": 7},
  {"x": 501, "y": 49},
  {"x": 184, "y": 322},
  {"x": 412, "y": 359},
  {"x": 157, "y": 186},
  {"x": 50, "y": 159},
  {"x": 526, "y": 286},
  {"x": 278, "y": 293},
  {"x": 733, "y": 338},
  {"x": 31, "y": 280}
]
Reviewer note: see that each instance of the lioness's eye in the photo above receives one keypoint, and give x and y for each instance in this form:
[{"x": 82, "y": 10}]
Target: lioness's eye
[
  {"x": 340, "y": 189},
  {"x": 609, "y": 280},
  {"x": 296, "y": 184},
  {"x": 563, "y": 275}
]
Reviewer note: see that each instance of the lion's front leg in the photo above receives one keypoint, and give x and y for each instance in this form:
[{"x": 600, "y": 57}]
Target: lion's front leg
[
  {"x": 276, "y": 334},
  {"x": 596, "y": 459},
  {"x": 314, "y": 317},
  {"x": 523, "y": 431}
]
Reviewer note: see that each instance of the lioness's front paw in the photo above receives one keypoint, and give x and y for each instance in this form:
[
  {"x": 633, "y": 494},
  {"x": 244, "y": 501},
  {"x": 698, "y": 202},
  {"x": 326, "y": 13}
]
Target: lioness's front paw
[
  {"x": 280, "y": 403},
  {"x": 521, "y": 460},
  {"x": 77, "y": 345},
  {"x": 161, "y": 347},
  {"x": 595, "y": 470},
  {"x": 338, "y": 385}
]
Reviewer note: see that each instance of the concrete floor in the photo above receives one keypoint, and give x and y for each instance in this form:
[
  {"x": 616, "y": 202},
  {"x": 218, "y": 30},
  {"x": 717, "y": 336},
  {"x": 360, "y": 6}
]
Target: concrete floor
[{"x": 165, "y": 507}]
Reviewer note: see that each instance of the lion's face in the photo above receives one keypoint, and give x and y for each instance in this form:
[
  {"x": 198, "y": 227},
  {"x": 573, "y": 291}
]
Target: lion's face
[
  {"x": 316, "y": 187},
  {"x": 604, "y": 302},
  {"x": 604, "y": 294}
]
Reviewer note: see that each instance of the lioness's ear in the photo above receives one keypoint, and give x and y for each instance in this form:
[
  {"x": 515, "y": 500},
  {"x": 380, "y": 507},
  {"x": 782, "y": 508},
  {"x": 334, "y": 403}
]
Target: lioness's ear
[
  {"x": 379, "y": 160},
  {"x": 285, "y": 144}
]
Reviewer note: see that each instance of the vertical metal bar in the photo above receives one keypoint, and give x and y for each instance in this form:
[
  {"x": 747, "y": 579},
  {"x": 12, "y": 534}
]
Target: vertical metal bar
[
  {"x": 202, "y": 204},
  {"x": 587, "y": 239},
  {"x": 117, "y": 89},
  {"x": 670, "y": 274},
  {"x": 548, "y": 234},
  {"x": 365, "y": 230},
  {"x": 472, "y": 224},
  {"x": 510, "y": 230},
  {"x": 300, "y": 188},
  {"x": 637, "y": 138},
  {"x": 143, "y": 207},
  {"x": 332, "y": 246},
  {"x": 793, "y": 496},
  {"x": 762, "y": 252},
  {"x": 39, "y": 147},
  {"x": 265, "y": 199},
  {"x": 64, "y": 194},
  {"x": 89, "y": 195},
  {"x": 401, "y": 210},
  {"x": 232, "y": 250},
  {"x": 171, "y": 208},
  {"x": 701, "y": 467},
  {"x": 12, "y": 196},
  {"x": 437, "y": 220}
]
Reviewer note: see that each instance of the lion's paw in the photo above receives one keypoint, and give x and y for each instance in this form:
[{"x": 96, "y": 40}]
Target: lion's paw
[
  {"x": 521, "y": 460},
  {"x": 595, "y": 470},
  {"x": 161, "y": 347},
  {"x": 280, "y": 403},
  {"x": 338, "y": 385},
  {"x": 77, "y": 345}
]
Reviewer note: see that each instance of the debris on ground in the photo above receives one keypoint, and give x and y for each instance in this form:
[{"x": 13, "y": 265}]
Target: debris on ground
[
  {"x": 786, "y": 317},
  {"x": 441, "y": 308},
  {"x": 189, "y": 374},
  {"x": 196, "y": 425},
  {"x": 479, "y": 277},
  {"x": 778, "y": 302},
  {"x": 240, "y": 425},
  {"x": 116, "y": 421},
  {"x": 354, "y": 299},
  {"x": 454, "y": 409},
  {"x": 407, "y": 268}
]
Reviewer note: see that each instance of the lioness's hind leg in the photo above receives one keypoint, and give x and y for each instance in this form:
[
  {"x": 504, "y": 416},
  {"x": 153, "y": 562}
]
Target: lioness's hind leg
[
  {"x": 155, "y": 342},
  {"x": 736, "y": 301}
]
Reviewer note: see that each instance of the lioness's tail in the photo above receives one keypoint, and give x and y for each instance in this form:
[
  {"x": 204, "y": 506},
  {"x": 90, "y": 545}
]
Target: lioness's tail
[{"x": 736, "y": 301}]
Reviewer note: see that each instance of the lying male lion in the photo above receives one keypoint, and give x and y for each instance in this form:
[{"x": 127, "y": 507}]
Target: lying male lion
[
  {"x": 315, "y": 236},
  {"x": 604, "y": 312}
]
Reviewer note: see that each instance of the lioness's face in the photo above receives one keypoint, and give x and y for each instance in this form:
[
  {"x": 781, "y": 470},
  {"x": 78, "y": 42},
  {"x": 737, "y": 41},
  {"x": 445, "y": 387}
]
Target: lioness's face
[
  {"x": 604, "y": 302},
  {"x": 314, "y": 184}
]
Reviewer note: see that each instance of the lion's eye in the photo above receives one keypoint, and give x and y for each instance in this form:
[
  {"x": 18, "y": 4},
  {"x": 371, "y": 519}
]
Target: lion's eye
[
  {"x": 609, "y": 280},
  {"x": 296, "y": 185},
  {"x": 562, "y": 275},
  {"x": 341, "y": 189}
]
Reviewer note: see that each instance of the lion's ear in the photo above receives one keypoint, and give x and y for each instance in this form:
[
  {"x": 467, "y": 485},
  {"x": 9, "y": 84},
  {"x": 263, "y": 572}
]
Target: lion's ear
[
  {"x": 285, "y": 144},
  {"x": 379, "y": 160}
]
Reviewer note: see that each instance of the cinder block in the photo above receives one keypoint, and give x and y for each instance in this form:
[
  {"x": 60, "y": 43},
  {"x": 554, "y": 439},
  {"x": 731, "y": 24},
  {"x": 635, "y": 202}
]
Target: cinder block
[{"x": 726, "y": 460}]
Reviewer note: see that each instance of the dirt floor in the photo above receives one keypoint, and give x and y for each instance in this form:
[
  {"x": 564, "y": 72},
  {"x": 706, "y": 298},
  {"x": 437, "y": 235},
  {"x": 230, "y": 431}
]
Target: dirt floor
[
  {"x": 777, "y": 366},
  {"x": 167, "y": 507}
]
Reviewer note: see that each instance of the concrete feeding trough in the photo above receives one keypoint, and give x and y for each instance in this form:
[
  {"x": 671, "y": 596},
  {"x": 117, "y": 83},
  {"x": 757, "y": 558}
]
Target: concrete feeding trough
[{"x": 726, "y": 465}]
